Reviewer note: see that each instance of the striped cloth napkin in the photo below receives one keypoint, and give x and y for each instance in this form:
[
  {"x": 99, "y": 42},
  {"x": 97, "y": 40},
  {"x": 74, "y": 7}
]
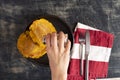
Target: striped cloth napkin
[{"x": 100, "y": 49}]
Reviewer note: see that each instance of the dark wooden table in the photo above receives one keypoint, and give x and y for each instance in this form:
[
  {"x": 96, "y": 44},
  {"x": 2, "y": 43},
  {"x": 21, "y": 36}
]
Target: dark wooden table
[{"x": 15, "y": 15}]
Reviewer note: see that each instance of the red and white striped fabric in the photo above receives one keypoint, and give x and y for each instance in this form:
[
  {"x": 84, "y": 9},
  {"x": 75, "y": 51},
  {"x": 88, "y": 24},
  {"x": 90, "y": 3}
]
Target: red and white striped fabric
[{"x": 100, "y": 49}]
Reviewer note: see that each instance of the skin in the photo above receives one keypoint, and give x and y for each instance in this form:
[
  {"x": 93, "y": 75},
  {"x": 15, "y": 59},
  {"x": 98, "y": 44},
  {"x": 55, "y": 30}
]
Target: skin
[{"x": 58, "y": 54}]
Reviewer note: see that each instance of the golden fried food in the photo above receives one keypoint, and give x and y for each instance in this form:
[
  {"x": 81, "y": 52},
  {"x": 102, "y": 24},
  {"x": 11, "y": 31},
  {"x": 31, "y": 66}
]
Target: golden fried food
[{"x": 30, "y": 43}]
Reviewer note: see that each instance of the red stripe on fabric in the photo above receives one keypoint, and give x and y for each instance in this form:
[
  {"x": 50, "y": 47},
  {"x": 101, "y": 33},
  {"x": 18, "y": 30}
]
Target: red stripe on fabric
[
  {"x": 97, "y": 38},
  {"x": 96, "y": 68},
  {"x": 74, "y": 77}
]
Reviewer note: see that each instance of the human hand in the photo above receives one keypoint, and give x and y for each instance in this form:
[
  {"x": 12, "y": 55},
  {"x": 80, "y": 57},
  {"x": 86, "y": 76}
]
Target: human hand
[{"x": 58, "y": 54}]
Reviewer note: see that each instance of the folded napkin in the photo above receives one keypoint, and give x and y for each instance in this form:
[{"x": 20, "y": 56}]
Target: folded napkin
[{"x": 100, "y": 49}]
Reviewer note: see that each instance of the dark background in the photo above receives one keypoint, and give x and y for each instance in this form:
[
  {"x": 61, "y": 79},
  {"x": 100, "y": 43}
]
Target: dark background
[{"x": 15, "y": 15}]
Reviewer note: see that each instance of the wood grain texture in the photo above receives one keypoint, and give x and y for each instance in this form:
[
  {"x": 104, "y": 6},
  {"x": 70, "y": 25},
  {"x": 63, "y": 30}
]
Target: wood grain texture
[{"x": 15, "y": 15}]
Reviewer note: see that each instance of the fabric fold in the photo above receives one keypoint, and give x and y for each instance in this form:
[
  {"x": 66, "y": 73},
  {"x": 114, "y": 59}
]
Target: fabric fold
[{"x": 100, "y": 50}]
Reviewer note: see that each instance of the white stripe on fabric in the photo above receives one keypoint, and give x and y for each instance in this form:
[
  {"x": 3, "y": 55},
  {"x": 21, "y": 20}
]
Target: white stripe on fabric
[
  {"x": 97, "y": 53},
  {"x": 83, "y": 26}
]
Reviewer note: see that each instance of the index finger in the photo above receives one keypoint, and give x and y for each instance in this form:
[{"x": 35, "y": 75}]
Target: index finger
[{"x": 47, "y": 38}]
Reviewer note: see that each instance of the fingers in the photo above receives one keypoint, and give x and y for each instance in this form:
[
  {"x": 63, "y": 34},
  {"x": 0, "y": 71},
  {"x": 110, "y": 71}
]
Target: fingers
[
  {"x": 67, "y": 47},
  {"x": 54, "y": 40},
  {"x": 58, "y": 42},
  {"x": 61, "y": 39},
  {"x": 48, "y": 40}
]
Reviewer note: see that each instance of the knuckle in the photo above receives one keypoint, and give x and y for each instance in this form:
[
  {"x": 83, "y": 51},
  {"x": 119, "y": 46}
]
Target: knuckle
[{"x": 54, "y": 34}]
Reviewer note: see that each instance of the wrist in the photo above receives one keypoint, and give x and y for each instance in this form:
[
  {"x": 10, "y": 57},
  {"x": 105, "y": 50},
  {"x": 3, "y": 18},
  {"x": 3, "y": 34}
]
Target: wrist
[{"x": 56, "y": 76}]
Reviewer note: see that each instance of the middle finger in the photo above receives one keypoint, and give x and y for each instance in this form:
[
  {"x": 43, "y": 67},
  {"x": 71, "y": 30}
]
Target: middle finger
[{"x": 61, "y": 40}]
